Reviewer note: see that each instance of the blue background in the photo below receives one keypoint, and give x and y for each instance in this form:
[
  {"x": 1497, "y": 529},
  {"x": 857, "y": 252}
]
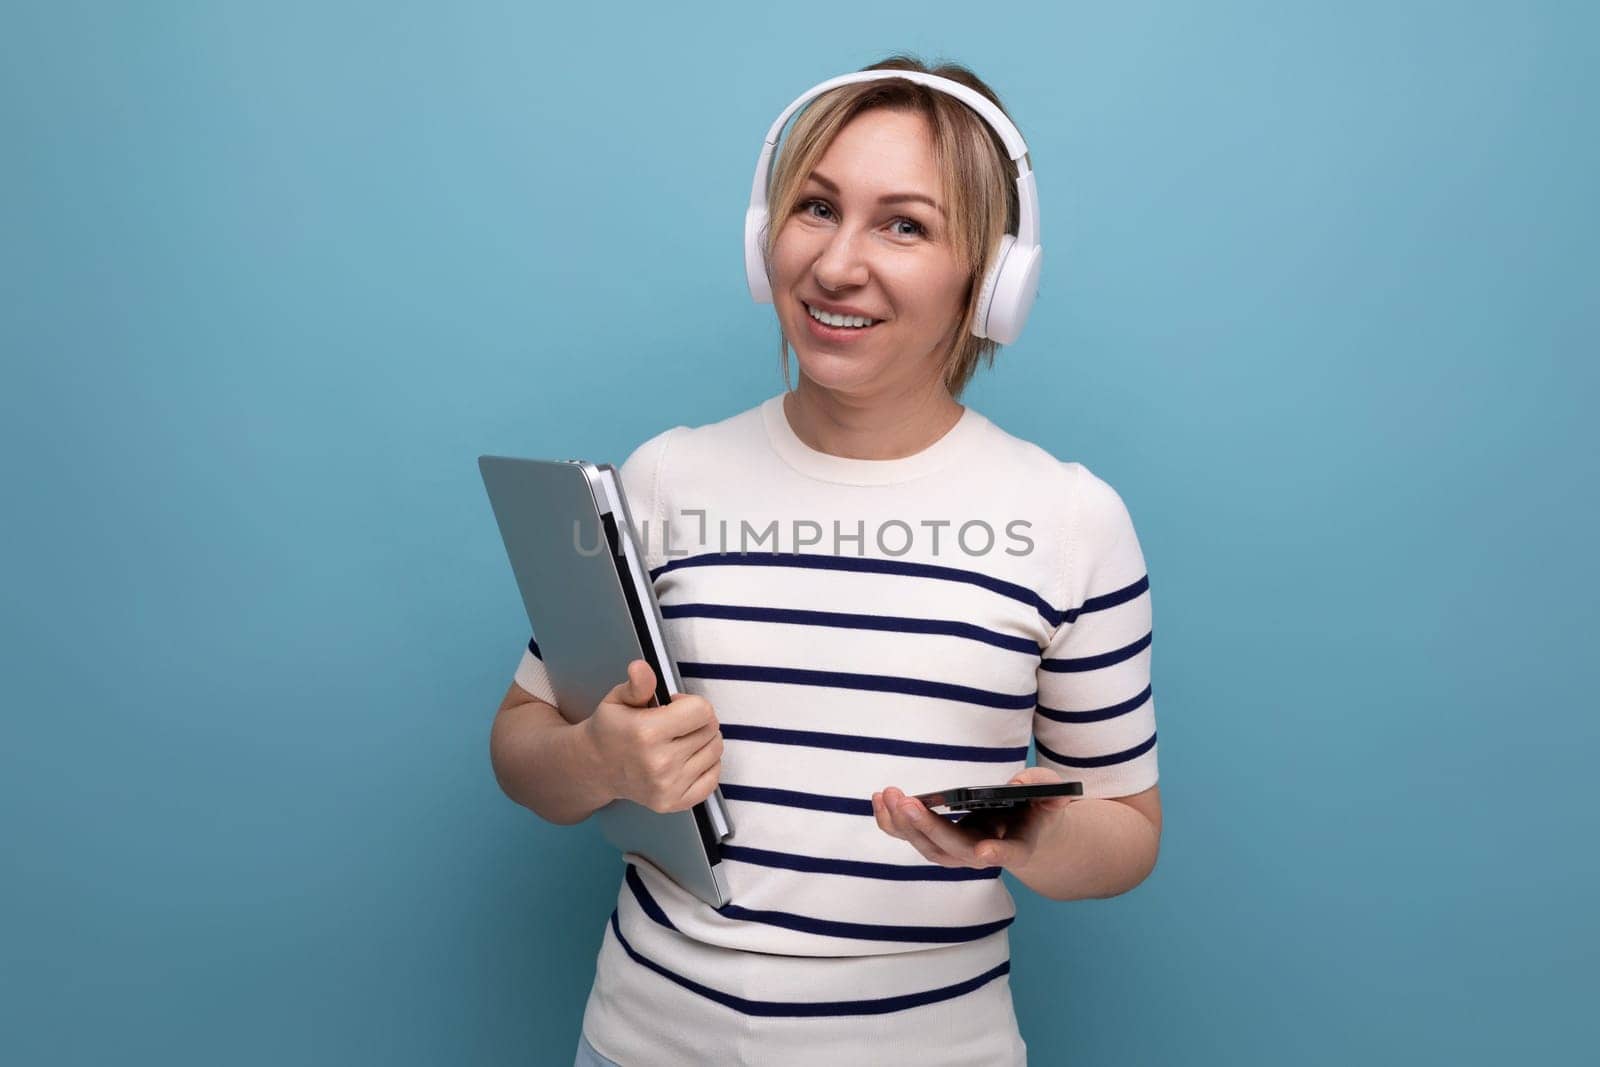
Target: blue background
[{"x": 1320, "y": 299}]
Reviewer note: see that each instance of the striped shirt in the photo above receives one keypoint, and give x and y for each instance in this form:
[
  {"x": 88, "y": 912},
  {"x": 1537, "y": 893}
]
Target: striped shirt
[{"x": 857, "y": 624}]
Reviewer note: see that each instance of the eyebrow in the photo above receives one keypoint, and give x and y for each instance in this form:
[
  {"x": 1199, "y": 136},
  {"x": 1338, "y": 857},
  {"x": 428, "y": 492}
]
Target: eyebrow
[{"x": 892, "y": 198}]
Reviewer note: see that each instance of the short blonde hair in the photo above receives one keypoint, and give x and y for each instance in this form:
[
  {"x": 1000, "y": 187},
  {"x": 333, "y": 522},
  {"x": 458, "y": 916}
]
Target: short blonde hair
[{"x": 977, "y": 181}]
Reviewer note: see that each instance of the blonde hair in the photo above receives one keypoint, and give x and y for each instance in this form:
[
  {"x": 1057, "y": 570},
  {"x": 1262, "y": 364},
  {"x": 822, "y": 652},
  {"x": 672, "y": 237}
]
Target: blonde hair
[{"x": 977, "y": 181}]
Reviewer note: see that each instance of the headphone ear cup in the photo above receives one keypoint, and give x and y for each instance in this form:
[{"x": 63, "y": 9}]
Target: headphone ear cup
[
  {"x": 980, "y": 321},
  {"x": 755, "y": 260},
  {"x": 1014, "y": 290}
]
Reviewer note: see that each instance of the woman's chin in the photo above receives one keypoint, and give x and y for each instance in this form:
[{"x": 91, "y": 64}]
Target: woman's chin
[
  {"x": 834, "y": 381},
  {"x": 834, "y": 369}
]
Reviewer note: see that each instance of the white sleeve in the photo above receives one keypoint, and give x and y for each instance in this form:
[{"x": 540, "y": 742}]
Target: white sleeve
[
  {"x": 531, "y": 674},
  {"x": 1095, "y": 719}
]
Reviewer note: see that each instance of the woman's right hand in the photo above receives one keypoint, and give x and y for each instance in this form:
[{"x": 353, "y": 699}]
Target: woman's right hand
[{"x": 665, "y": 758}]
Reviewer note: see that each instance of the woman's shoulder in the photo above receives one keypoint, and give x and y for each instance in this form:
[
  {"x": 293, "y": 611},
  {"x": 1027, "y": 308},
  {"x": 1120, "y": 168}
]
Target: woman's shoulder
[
  {"x": 1089, "y": 507},
  {"x": 654, "y": 469},
  {"x": 1048, "y": 475},
  {"x": 741, "y": 429}
]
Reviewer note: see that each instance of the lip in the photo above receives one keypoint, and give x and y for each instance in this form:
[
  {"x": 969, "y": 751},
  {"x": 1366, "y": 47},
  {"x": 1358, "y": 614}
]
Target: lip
[{"x": 836, "y": 334}]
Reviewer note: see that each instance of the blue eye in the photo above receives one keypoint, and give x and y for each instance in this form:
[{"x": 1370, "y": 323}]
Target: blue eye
[{"x": 919, "y": 229}]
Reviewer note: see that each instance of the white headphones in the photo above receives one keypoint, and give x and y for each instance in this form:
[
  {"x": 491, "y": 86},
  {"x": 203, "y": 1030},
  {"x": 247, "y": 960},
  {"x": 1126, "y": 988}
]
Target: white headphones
[{"x": 1013, "y": 279}]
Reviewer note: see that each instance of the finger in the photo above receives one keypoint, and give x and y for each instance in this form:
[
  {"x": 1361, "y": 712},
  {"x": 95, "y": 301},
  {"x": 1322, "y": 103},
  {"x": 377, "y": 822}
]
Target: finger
[
  {"x": 643, "y": 683},
  {"x": 912, "y": 827},
  {"x": 1042, "y": 776},
  {"x": 701, "y": 789},
  {"x": 703, "y": 758},
  {"x": 694, "y": 740},
  {"x": 637, "y": 689},
  {"x": 687, "y": 714},
  {"x": 930, "y": 851},
  {"x": 898, "y": 804},
  {"x": 982, "y": 824},
  {"x": 880, "y": 812},
  {"x": 947, "y": 837},
  {"x": 892, "y": 799},
  {"x": 996, "y": 853}
]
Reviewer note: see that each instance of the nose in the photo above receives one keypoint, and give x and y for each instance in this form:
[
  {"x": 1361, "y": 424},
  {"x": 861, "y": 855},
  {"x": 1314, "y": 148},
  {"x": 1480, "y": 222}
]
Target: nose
[{"x": 840, "y": 266}]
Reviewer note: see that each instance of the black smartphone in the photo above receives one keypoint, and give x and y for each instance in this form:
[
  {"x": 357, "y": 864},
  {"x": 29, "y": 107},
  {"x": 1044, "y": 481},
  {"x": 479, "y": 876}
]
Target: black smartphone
[{"x": 984, "y": 797}]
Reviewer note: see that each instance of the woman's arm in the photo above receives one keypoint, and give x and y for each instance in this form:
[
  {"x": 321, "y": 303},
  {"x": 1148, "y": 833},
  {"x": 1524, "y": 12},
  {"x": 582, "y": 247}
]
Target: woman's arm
[
  {"x": 544, "y": 762},
  {"x": 666, "y": 758},
  {"x": 1062, "y": 849},
  {"x": 1097, "y": 848}
]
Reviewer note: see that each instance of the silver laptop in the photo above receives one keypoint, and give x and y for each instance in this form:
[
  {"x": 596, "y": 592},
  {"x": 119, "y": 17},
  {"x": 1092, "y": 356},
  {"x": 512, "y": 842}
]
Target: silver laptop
[{"x": 592, "y": 606}]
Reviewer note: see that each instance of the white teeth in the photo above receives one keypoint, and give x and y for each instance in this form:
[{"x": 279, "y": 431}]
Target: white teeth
[{"x": 839, "y": 320}]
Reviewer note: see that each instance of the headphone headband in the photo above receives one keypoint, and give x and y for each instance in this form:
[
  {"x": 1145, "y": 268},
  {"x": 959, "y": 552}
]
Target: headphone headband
[
  {"x": 1016, "y": 148},
  {"x": 1012, "y": 281}
]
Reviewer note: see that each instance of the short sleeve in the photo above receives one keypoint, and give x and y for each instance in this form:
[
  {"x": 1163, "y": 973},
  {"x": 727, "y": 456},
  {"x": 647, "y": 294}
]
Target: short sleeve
[
  {"x": 640, "y": 475},
  {"x": 1095, "y": 719},
  {"x": 531, "y": 674}
]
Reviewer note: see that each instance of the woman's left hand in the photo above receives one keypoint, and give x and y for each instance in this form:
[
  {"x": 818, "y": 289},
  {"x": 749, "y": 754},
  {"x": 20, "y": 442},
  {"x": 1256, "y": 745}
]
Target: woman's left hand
[{"x": 1005, "y": 838}]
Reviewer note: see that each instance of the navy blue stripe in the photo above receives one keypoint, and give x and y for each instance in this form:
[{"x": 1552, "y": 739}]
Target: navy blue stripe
[
  {"x": 533, "y": 646},
  {"x": 869, "y": 565},
  {"x": 1108, "y": 600},
  {"x": 789, "y": 798},
  {"x": 888, "y": 746},
  {"x": 1096, "y": 761},
  {"x": 878, "y": 683},
  {"x": 830, "y": 927},
  {"x": 1095, "y": 662},
  {"x": 1095, "y": 714},
  {"x": 893, "y": 872},
  {"x": 646, "y": 901},
  {"x": 853, "y": 621},
  {"x": 812, "y": 1009},
  {"x": 864, "y": 931}
]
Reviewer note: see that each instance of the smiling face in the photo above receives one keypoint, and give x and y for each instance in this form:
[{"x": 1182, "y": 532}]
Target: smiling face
[{"x": 868, "y": 237}]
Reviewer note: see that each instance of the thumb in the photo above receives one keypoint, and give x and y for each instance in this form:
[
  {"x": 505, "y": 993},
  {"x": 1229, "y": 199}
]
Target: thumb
[
  {"x": 641, "y": 683},
  {"x": 1041, "y": 776}
]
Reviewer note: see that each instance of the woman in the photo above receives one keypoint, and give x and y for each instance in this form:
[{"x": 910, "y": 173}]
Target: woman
[{"x": 872, "y": 591}]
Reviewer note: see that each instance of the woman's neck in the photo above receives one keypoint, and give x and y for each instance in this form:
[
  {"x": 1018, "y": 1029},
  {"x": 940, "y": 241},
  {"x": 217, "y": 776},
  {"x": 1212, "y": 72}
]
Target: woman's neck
[{"x": 887, "y": 427}]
